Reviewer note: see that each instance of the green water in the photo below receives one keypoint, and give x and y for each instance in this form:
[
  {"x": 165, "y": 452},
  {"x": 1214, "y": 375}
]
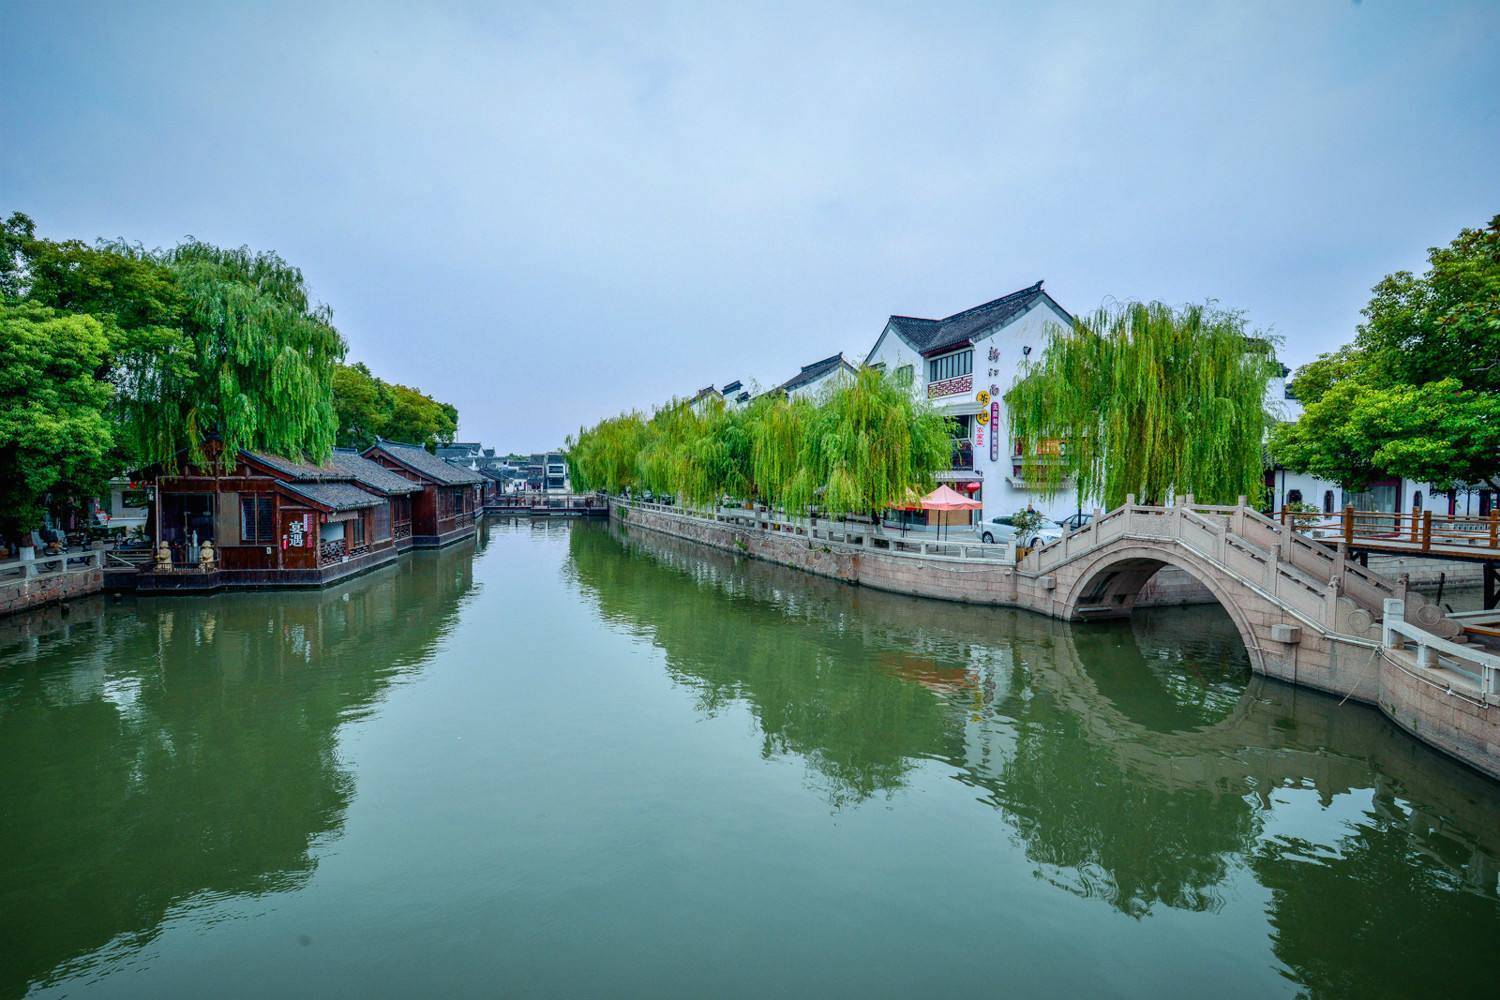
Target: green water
[{"x": 571, "y": 761}]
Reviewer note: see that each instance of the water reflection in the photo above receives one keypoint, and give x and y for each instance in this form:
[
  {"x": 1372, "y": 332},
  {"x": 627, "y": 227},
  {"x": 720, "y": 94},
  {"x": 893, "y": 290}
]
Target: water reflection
[
  {"x": 1139, "y": 763},
  {"x": 169, "y": 751}
]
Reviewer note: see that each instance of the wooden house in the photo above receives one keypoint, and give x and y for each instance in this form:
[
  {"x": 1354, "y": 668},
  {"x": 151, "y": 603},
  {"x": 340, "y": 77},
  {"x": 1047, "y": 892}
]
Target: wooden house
[
  {"x": 446, "y": 508},
  {"x": 273, "y": 521}
]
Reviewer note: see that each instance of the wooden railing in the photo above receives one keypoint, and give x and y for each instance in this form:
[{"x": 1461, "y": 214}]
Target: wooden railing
[{"x": 1423, "y": 530}]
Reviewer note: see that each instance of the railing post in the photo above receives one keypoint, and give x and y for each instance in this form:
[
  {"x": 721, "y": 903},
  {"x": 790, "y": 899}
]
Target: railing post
[
  {"x": 1495, "y": 529},
  {"x": 1394, "y": 611},
  {"x": 1426, "y": 530},
  {"x": 1349, "y": 525}
]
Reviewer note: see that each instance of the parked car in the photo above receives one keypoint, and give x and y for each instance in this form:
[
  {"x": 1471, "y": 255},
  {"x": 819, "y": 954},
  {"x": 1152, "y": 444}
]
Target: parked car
[
  {"x": 1074, "y": 521},
  {"x": 1003, "y": 529}
]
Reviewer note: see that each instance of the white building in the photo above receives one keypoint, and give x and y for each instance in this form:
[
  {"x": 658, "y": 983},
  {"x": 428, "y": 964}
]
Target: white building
[
  {"x": 964, "y": 365},
  {"x": 702, "y": 398},
  {"x": 736, "y": 394},
  {"x": 818, "y": 377}
]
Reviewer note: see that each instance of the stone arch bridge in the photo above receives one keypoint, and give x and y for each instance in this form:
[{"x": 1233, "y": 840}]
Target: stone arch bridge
[{"x": 1308, "y": 613}]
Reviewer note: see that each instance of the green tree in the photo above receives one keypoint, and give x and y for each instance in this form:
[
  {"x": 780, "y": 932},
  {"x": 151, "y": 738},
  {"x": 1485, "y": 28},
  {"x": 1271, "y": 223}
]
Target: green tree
[
  {"x": 56, "y": 443},
  {"x": 362, "y": 404},
  {"x": 1147, "y": 399},
  {"x": 256, "y": 370},
  {"x": 861, "y": 448},
  {"x": 417, "y": 418},
  {"x": 368, "y": 407},
  {"x": 1417, "y": 394}
]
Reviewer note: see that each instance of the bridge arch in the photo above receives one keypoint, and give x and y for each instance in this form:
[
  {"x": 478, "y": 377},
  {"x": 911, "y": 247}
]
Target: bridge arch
[{"x": 1106, "y": 583}]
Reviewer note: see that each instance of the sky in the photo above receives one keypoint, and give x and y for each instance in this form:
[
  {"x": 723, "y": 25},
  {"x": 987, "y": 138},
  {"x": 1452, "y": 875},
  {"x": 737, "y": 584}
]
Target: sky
[{"x": 549, "y": 213}]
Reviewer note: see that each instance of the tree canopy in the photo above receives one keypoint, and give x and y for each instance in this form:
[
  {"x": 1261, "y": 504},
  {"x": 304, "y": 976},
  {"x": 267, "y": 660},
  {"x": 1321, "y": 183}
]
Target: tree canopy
[
  {"x": 860, "y": 449},
  {"x": 55, "y": 436},
  {"x": 368, "y": 407},
  {"x": 1146, "y": 399},
  {"x": 1417, "y": 394}
]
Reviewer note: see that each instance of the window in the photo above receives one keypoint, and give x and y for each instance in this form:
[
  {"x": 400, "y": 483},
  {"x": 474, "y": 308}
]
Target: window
[
  {"x": 1293, "y": 496},
  {"x": 904, "y": 375},
  {"x": 257, "y": 520},
  {"x": 382, "y": 527},
  {"x": 1328, "y": 501},
  {"x": 357, "y": 530},
  {"x": 950, "y": 366},
  {"x": 403, "y": 510}
]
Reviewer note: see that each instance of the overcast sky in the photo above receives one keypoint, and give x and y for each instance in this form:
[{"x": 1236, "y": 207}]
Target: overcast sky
[{"x": 546, "y": 213}]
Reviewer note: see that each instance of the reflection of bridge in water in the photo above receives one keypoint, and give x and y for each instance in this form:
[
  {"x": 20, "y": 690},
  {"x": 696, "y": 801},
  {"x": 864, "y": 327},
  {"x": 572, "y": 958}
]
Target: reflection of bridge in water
[{"x": 1144, "y": 803}]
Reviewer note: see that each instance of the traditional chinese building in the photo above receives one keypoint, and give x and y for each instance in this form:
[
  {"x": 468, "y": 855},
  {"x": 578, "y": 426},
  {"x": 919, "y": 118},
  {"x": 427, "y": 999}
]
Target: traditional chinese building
[
  {"x": 446, "y": 507},
  {"x": 267, "y": 520}
]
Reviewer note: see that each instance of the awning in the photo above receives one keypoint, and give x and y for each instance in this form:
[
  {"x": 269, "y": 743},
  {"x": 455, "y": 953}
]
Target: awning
[{"x": 944, "y": 498}]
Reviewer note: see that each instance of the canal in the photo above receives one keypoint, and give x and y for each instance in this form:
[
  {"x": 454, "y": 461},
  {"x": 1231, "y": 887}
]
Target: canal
[{"x": 575, "y": 760}]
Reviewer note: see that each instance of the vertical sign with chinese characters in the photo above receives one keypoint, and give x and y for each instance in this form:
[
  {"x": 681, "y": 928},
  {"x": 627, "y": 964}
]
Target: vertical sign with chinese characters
[{"x": 994, "y": 428}]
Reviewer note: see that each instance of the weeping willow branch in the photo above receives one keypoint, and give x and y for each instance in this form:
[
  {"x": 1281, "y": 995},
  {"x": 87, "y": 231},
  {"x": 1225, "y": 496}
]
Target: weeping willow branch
[
  {"x": 859, "y": 449},
  {"x": 1148, "y": 400}
]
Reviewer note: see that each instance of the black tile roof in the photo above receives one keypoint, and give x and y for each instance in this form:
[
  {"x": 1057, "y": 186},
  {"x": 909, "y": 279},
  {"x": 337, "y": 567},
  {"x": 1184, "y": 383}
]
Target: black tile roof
[
  {"x": 729, "y": 387},
  {"x": 294, "y": 469},
  {"x": 813, "y": 372},
  {"x": 338, "y": 496},
  {"x": 927, "y": 336},
  {"x": 424, "y": 463},
  {"x": 372, "y": 475}
]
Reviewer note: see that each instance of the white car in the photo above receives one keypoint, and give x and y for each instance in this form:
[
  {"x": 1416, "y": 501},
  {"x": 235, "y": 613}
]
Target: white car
[{"x": 1003, "y": 529}]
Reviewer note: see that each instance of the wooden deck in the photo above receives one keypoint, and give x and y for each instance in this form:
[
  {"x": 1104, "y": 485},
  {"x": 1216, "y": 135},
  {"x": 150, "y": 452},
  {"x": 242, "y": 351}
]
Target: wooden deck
[
  {"x": 548, "y": 505},
  {"x": 1421, "y": 534}
]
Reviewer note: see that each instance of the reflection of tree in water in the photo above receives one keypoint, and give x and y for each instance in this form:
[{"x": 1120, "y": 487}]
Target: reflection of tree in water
[
  {"x": 1121, "y": 781},
  {"x": 1395, "y": 907},
  {"x": 175, "y": 747},
  {"x": 800, "y": 658},
  {"x": 801, "y": 673}
]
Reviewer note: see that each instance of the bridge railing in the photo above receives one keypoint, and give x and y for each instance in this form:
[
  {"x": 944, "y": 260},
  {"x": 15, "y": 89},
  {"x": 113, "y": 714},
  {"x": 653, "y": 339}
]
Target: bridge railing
[{"x": 1434, "y": 652}]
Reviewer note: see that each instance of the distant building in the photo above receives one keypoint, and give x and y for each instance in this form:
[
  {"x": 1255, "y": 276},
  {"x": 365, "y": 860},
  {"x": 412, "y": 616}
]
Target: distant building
[{"x": 816, "y": 378}]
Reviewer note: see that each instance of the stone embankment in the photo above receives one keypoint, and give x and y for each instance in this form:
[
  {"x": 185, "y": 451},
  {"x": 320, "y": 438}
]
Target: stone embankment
[
  {"x": 34, "y": 580},
  {"x": 1307, "y": 614}
]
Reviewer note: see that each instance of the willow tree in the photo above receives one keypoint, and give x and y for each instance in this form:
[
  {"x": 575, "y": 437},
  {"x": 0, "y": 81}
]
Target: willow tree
[
  {"x": 1148, "y": 400},
  {"x": 254, "y": 368},
  {"x": 607, "y": 455},
  {"x": 778, "y": 428}
]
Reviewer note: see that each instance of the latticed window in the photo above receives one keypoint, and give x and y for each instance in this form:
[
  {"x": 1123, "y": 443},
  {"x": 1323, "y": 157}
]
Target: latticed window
[
  {"x": 950, "y": 366},
  {"x": 257, "y": 520}
]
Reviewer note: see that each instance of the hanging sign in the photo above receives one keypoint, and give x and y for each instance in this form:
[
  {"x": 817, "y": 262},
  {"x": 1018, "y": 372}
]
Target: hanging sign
[
  {"x": 983, "y": 397},
  {"x": 294, "y": 533},
  {"x": 995, "y": 431},
  {"x": 982, "y": 417}
]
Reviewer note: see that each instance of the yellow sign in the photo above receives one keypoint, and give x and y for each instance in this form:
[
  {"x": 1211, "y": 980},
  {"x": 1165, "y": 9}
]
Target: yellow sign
[
  {"x": 983, "y": 417},
  {"x": 983, "y": 397}
]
